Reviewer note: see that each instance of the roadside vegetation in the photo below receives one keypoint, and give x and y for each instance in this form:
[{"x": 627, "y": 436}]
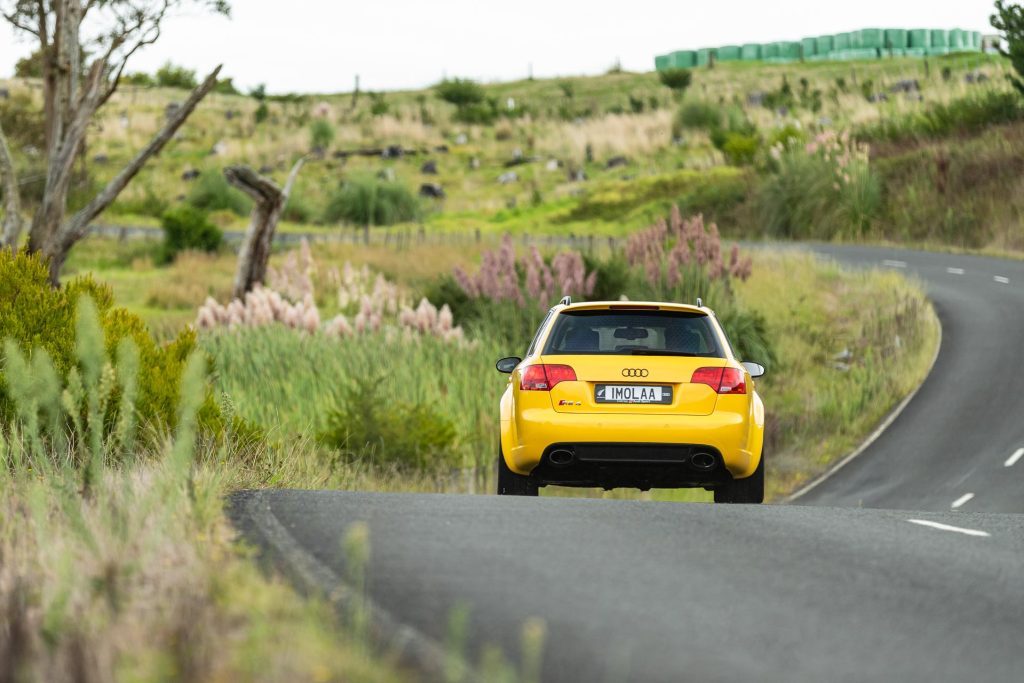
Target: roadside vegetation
[{"x": 135, "y": 397}]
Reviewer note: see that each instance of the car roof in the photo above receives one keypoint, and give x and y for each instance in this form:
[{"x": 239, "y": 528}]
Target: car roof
[{"x": 634, "y": 305}]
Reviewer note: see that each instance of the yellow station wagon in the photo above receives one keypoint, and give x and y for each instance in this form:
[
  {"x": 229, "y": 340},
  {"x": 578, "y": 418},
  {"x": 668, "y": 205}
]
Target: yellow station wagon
[{"x": 632, "y": 394}]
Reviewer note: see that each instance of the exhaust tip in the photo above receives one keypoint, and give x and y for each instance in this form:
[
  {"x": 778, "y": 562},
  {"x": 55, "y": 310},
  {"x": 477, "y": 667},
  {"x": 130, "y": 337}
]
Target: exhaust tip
[
  {"x": 561, "y": 456},
  {"x": 703, "y": 461}
]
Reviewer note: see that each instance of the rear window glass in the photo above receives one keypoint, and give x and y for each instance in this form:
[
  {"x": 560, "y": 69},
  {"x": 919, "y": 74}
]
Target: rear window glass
[{"x": 604, "y": 332}]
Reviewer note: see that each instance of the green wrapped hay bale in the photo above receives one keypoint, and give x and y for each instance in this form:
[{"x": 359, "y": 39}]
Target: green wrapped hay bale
[
  {"x": 916, "y": 52},
  {"x": 896, "y": 39},
  {"x": 682, "y": 59},
  {"x": 790, "y": 50},
  {"x": 728, "y": 53},
  {"x": 956, "y": 39},
  {"x": 770, "y": 51},
  {"x": 870, "y": 39},
  {"x": 841, "y": 42},
  {"x": 661, "y": 62},
  {"x": 976, "y": 41},
  {"x": 809, "y": 47},
  {"x": 823, "y": 45},
  {"x": 939, "y": 38},
  {"x": 704, "y": 56},
  {"x": 750, "y": 52},
  {"x": 920, "y": 38},
  {"x": 938, "y": 51}
]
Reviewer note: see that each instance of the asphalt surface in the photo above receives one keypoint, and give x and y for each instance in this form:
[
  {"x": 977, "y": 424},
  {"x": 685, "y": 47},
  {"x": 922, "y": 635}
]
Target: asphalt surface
[
  {"x": 827, "y": 589},
  {"x": 967, "y": 420}
]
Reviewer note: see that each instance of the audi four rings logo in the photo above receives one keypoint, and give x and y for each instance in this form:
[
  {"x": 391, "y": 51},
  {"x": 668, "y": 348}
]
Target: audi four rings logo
[{"x": 634, "y": 372}]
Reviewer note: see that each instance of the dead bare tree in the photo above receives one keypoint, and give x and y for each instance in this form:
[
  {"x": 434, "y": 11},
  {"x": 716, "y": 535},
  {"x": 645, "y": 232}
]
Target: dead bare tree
[
  {"x": 12, "y": 200},
  {"x": 73, "y": 91},
  {"x": 269, "y": 202}
]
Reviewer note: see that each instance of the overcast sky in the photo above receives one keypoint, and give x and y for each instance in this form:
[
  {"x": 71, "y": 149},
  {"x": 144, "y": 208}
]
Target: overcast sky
[{"x": 320, "y": 45}]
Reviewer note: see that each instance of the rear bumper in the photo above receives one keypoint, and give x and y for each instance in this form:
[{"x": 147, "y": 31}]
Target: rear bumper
[
  {"x": 631, "y": 465},
  {"x": 530, "y": 436}
]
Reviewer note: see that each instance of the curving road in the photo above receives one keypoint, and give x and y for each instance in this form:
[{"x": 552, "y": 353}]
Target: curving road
[{"x": 821, "y": 590}]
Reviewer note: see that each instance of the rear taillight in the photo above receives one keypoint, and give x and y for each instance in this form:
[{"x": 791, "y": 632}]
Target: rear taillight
[
  {"x": 721, "y": 380},
  {"x": 545, "y": 377}
]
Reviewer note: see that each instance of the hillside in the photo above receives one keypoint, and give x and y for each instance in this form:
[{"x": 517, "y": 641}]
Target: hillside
[{"x": 597, "y": 155}]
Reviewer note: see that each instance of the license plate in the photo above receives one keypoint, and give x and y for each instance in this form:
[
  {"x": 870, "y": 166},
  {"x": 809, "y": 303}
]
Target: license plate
[{"x": 632, "y": 393}]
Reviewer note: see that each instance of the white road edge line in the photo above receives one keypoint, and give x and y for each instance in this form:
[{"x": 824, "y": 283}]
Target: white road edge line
[
  {"x": 1001, "y": 279},
  {"x": 961, "y": 500},
  {"x": 894, "y": 264},
  {"x": 895, "y": 413},
  {"x": 1012, "y": 460},
  {"x": 955, "y": 271},
  {"x": 947, "y": 527}
]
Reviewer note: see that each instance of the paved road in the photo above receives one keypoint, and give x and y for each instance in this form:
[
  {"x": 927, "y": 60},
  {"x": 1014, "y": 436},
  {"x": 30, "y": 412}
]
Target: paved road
[
  {"x": 825, "y": 590},
  {"x": 967, "y": 421}
]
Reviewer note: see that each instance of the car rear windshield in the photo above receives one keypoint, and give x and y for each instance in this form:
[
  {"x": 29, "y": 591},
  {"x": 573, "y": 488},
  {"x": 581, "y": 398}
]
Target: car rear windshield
[{"x": 633, "y": 332}]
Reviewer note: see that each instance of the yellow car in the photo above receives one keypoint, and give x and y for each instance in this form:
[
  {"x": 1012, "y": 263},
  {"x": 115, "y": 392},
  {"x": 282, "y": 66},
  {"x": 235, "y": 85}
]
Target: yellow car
[{"x": 632, "y": 394}]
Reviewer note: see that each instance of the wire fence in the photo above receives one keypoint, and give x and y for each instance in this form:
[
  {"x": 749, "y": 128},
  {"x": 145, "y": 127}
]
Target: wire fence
[{"x": 396, "y": 238}]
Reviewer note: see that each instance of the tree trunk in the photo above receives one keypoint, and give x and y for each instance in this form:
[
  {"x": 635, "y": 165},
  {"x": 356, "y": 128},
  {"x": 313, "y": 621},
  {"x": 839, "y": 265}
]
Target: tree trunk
[
  {"x": 269, "y": 204},
  {"x": 12, "y": 204},
  {"x": 51, "y": 234}
]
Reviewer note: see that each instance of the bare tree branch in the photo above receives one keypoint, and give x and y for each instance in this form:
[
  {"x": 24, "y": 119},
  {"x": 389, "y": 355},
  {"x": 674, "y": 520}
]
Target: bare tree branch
[
  {"x": 78, "y": 225},
  {"x": 269, "y": 202},
  {"x": 12, "y": 203}
]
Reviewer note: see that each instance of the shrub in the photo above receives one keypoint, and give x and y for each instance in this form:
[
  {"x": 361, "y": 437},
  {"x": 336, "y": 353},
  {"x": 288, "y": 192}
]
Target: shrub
[
  {"x": 365, "y": 422},
  {"x": 321, "y": 134},
  {"x": 171, "y": 76},
  {"x": 741, "y": 149},
  {"x": 41, "y": 321},
  {"x": 140, "y": 79},
  {"x": 822, "y": 190},
  {"x": 186, "y": 227},
  {"x": 748, "y": 332},
  {"x": 22, "y": 121},
  {"x": 212, "y": 192},
  {"x": 678, "y": 80},
  {"x": 698, "y": 115},
  {"x": 365, "y": 200},
  {"x": 460, "y": 92},
  {"x": 298, "y": 209}
]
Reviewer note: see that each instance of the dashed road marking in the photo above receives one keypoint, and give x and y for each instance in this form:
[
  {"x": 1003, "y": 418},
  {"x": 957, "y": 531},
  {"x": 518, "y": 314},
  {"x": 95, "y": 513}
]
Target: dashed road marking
[
  {"x": 948, "y": 527},
  {"x": 961, "y": 500},
  {"x": 955, "y": 271},
  {"x": 1012, "y": 460},
  {"x": 1000, "y": 279},
  {"x": 894, "y": 264}
]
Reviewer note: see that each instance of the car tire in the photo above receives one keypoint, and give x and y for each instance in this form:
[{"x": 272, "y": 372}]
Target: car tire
[
  {"x": 512, "y": 484},
  {"x": 749, "y": 491}
]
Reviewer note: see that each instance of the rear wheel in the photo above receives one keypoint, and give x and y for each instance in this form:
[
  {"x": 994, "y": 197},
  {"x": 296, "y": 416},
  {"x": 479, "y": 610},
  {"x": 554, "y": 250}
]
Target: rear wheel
[
  {"x": 749, "y": 490},
  {"x": 512, "y": 484}
]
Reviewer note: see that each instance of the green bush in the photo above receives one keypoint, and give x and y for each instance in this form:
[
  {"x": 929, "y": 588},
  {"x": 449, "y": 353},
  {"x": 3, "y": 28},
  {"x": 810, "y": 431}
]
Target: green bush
[
  {"x": 321, "y": 134},
  {"x": 741, "y": 149},
  {"x": 366, "y": 423},
  {"x": 41, "y": 320},
  {"x": 678, "y": 80},
  {"x": 460, "y": 92},
  {"x": 366, "y": 200},
  {"x": 298, "y": 209},
  {"x": 748, "y": 332},
  {"x": 22, "y": 121},
  {"x": 698, "y": 115},
  {"x": 824, "y": 193},
  {"x": 213, "y": 192},
  {"x": 186, "y": 227},
  {"x": 171, "y": 76}
]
